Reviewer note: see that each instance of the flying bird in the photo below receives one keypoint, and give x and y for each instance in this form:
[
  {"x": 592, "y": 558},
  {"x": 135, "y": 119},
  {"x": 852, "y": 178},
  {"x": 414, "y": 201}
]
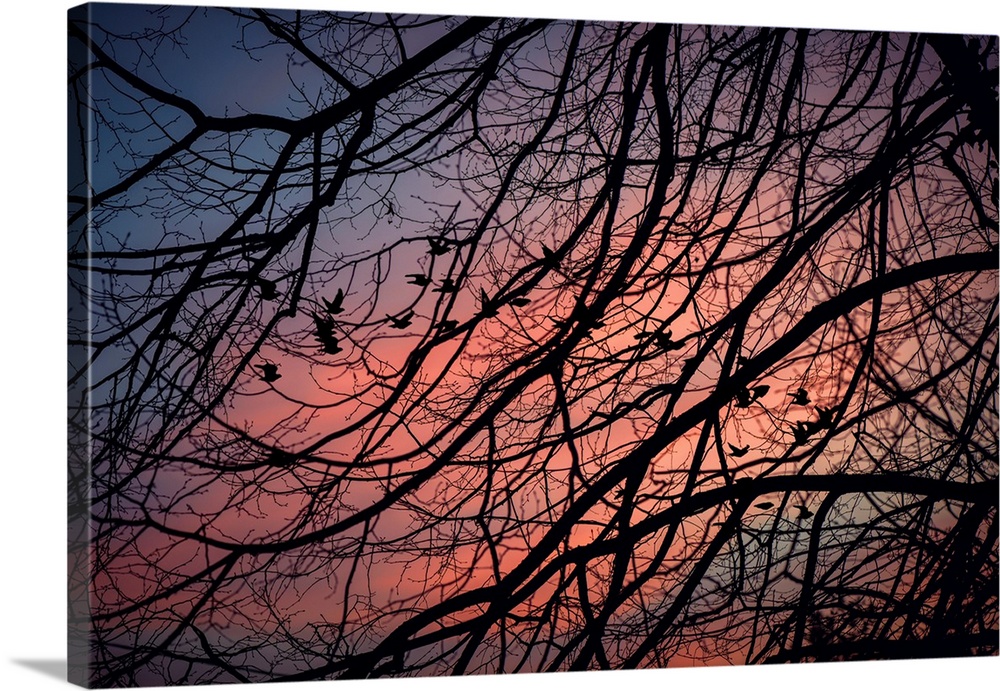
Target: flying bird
[
  {"x": 325, "y": 335},
  {"x": 826, "y": 416},
  {"x": 759, "y": 391},
  {"x": 447, "y": 286},
  {"x": 802, "y": 432},
  {"x": 439, "y": 246},
  {"x": 800, "y": 397},
  {"x": 401, "y": 322},
  {"x": 336, "y": 306},
  {"x": 738, "y": 451},
  {"x": 804, "y": 512},
  {"x": 269, "y": 372},
  {"x": 418, "y": 280}
]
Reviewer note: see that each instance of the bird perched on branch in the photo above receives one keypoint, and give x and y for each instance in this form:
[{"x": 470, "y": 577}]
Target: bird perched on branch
[
  {"x": 447, "y": 325},
  {"x": 418, "y": 280},
  {"x": 269, "y": 372},
  {"x": 519, "y": 302},
  {"x": 335, "y": 306}
]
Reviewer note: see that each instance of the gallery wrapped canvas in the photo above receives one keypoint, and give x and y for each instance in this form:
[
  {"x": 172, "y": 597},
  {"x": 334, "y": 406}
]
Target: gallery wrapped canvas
[{"x": 411, "y": 345}]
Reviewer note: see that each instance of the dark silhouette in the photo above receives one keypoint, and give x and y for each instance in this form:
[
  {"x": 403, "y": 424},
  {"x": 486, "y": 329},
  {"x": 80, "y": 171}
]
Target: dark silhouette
[
  {"x": 335, "y": 306},
  {"x": 800, "y": 397},
  {"x": 400, "y": 322},
  {"x": 269, "y": 372}
]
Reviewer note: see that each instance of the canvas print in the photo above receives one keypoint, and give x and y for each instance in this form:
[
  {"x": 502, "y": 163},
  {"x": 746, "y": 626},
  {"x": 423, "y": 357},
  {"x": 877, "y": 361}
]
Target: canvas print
[{"x": 409, "y": 345}]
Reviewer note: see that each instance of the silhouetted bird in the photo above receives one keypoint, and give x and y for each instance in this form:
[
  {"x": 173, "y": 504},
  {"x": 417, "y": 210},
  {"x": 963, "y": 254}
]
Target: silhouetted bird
[
  {"x": 802, "y": 432},
  {"x": 418, "y": 280},
  {"x": 268, "y": 289},
  {"x": 324, "y": 334},
  {"x": 665, "y": 342},
  {"x": 765, "y": 505},
  {"x": 804, "y": 511},
  {"x": 401, "y": 322},
  {"x": 336, "y": 306},
  {"x": 439, "y": 246},
  {"x": 550, "y": 259},
  {"x": 826, "y": 416},
  {"x": 759, "y": 391},
  {"x": 447, "y": 286},
  {"x": 519, "y": 302},
  {"x": 800, "y": 397},
  {"x": 486, "y": 307},
  {"x": 270, "y": 372},
  {"x": 447, "y": 325},
  {"x": 738, "y": 451}
]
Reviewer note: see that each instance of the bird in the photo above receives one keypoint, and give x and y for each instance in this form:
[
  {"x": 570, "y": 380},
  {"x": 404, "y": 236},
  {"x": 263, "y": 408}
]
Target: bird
[
  {"x": 519, "y": 302},
  {"x": 401, "y": 322},
  {"x": 487, "y": 308},
  {"x": 804, "y": 511},
  {"x": 268, "y": 289},
  {"x": 759, "y": 391},
  {"x": 336, "y": 306},
  {"x": 418, "y": 280},
  {"x": 550, "y": 259},
  {"x": 826, "y": 416},
  {"x": 447, "y": 325},
  {"x": 800, "y": 397},
  {"x": 324, "y": 334},
  {"x": 447, "y": 286},
  {"x": 738, "y": 451},
  {"x": 802, "y": 433},
  {"x": 665, "y": 342},
  {"x": 765, "y": 505},
  {"x": 439, "y": 246},
  {"x": 269, "y": 372}
]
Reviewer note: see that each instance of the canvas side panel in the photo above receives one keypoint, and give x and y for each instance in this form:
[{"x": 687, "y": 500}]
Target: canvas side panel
[{"x": 79, "y": 131}]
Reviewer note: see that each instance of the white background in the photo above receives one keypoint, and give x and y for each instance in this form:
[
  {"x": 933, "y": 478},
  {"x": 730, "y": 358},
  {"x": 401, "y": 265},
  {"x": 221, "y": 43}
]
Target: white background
[{"x": 33, "y": 354}]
